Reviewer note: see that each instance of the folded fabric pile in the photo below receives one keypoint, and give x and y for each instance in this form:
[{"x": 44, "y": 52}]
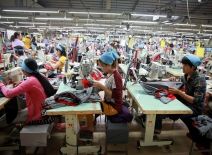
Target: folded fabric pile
[
  {"x": 71, "y": 98},
  {"x": 204, "y": 124},
  {"x": 164, "y": 95}
]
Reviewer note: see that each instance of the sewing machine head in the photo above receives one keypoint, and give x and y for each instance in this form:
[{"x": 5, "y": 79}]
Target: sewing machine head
[
  {"x": 86, "y": 68},
  {"x": 14, "y": 75},
  {"x": 176, "y": 63},
  {"x": 156, "y": 70}
]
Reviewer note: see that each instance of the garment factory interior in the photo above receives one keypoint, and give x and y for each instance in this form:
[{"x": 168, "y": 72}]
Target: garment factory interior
[{"x": 106, "y": 77}]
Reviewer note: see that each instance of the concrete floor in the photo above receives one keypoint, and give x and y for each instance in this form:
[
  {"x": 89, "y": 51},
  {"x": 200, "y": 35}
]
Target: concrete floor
[{"x": 177, "y": 132}]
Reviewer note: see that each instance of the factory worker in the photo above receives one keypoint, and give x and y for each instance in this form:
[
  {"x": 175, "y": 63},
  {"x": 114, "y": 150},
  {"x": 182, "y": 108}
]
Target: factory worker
[
  {"x": 142, "y": 53},
  {"x": 192, "y": 50},
  {"x": 112, "y": 48},
  {"x": 36, "y": 89},
  {"x": 27, "y": 41},
  {"x": 16, "y": 40},
  {"x": 112, "y": 103},
  {"x": 195, "y": 91},
  {"x": 19, "y": 52},
  {"x": 61, "y": 53}
]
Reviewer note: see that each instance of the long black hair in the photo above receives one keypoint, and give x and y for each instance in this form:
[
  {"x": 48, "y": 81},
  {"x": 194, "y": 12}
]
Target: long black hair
[
  {"x": 63, "y": 52},
  {"x": 31, "y": 64},
  {"x": 14, "y": 36}
]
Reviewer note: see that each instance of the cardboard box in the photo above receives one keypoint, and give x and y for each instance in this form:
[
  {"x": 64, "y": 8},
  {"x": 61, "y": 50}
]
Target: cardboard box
[{"x": 35, "y": 135}]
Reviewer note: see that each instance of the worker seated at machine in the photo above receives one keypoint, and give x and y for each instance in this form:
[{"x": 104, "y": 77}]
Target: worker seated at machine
[
  {"x": 191, "y": 50},
  {"x": 19, "y": 54},
  {"x": 61, "y": 53},
  {"x": 34, "y": 49},
  {"x": 142, "y": 55},
  {"x": 36, "y": 89}
]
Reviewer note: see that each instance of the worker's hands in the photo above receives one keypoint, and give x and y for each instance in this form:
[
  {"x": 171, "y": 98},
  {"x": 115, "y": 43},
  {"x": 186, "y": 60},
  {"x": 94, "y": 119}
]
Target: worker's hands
[
  {"x": 15, "y": 84},
  {"x": 172, "y": 78},
  {"x": 98, "y": 85},
  {"x": 173, "y": 90}
]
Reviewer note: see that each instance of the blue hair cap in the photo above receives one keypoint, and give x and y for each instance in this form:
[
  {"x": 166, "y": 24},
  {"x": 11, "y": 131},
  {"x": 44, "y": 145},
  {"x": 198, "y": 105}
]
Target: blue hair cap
[
  {"x": 59, "y": 47},
  {"x": 141, "y": 46},
  {"x": 109, "y": 57},
  {"x": 192, "y": 49},
  {"x": 195, "y": 60}
]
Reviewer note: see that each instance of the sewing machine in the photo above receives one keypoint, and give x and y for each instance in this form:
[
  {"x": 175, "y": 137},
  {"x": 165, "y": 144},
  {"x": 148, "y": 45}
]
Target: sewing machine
[
  {"x": 176, "y": 63},
  {"x": 86, "y": 67},
  {"x": 14, "y": 75},
  {"x": 156, "y": 70}
]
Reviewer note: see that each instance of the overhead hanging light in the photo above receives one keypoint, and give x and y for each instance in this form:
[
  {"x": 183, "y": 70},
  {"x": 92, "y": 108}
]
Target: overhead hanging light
[
  {"x": 15, "y": 17},
  {"x": 96, "y": 13},
  {"x": 97, "y": 25},
  {"x": 26, "y": 9},
  {"x": 6, "y": 22},
  {"x": 144, "y": 22},
  {"x": 31, "y": 23},
  {"x": 187, "y": 29},
  {"x": 53, "y": 18},
  {"x": 147, "y": 15},
  {"x": 95, "y": 28},
  {"x": 185, "y": 24},
  {"x": 206, "y": 25},
  {"x": 101, "y": 20}
]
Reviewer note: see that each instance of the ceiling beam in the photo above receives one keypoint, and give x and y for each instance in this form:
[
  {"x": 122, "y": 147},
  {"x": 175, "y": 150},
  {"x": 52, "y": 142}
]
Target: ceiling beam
[
  {"x": 136, "y": 4},
  {"x": 198, "y": 7}
]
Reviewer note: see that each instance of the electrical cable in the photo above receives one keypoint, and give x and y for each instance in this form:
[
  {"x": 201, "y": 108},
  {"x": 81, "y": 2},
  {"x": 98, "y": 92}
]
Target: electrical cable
[
  {"x": 89, "y": 13},
  {"x": 189, "y": 17}
]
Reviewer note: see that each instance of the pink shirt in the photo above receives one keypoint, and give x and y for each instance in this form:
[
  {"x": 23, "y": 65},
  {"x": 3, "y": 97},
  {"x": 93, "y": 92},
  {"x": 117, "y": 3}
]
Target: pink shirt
[
  {"x": 35, "y": 96},
  {"x": 17, "y": 42}
]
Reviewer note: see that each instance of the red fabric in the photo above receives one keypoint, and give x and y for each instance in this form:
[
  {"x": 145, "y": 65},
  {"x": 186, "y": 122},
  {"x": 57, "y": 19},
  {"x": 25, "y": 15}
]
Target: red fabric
[
  {"x": 66, "y": 103},
  {"x": 194, "y": 123},
  {"x": 47, "y": 67},
  {"x": 169, "y": 95},
  {"x": 86, "y": 83}
]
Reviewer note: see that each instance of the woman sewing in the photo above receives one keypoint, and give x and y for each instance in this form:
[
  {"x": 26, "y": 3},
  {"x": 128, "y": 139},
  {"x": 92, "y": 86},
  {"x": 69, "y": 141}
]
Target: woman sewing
[
  {"x": 36, "y": 89},
  {"x": 61, "y": 53}
]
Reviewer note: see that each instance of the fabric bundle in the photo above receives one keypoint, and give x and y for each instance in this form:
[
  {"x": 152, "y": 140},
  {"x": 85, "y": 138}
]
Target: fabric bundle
[{"x": 160, "y": 89}]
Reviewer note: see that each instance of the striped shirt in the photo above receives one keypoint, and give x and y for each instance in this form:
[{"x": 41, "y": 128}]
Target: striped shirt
[{"x": 114, "y": 83}]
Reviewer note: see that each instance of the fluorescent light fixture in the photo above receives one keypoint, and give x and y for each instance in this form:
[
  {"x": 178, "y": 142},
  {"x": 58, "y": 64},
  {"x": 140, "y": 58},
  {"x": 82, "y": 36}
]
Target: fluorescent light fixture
[
  {"x": 25, "y": 26},
  {"x": 187, "y": 29},
  {"x": 6, "y": 22},
  {"x": 207, "y": 34},
  {"x": 207, "y": 30},
  {"x": 142, "y": 30},
  {"x": 206, "y": 25},
  {"x": 73, "y": 27},
  {"x": 53, "y": 18},
  {"x": 16, "y": 17},
  {"x": 101, "y": 20},
  {"x": 97, "y": 25},
  {"x": 185, "y": 24},
  {"x": 146, "y": 15},
  {"x": 97, "y": 13},
  {"x": 37, "y": 28},
  {"x": 168, "y": 23},
  {"x": 31, "y": 23},
  {"x": 41, "y": 11},
  {"x": 50, "y": 26},
  {"x": 144, "y": 22},
  {"x": 95, "y": 28},
  {"x": 79, "y": 30}
]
